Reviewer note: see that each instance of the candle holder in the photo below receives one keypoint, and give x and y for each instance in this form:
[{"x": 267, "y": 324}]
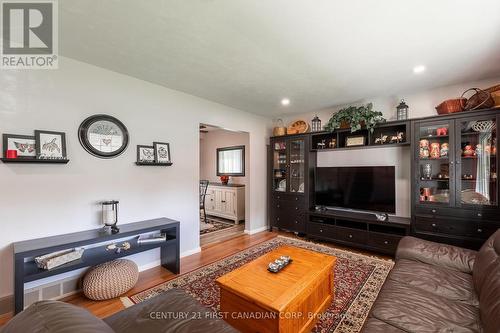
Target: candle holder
[{"x": 110, "y": 215}]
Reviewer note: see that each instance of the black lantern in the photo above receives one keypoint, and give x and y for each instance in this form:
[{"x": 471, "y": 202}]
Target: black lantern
[
  {"x": 402, "y": 110},
  {"x": 316, "y": 124},
  {"x": 110, "y": 215}
]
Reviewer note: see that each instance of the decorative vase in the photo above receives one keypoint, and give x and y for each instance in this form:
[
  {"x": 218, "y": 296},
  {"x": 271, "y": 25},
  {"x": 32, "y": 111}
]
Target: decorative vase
[{"x": 224, "y": 179}]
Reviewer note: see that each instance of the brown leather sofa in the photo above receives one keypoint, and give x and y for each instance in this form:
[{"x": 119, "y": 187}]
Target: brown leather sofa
[
  {"x": 440, "y": 288},
  {"x": 173, "y": 311}
]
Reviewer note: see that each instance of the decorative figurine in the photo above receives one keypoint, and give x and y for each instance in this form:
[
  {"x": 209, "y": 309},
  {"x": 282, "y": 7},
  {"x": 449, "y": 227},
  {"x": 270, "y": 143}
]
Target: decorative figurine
[
  {"x": 332, "y": 144},
  {"x": 444, "y": 149},
  {"x": 382, "y": 139},
  {"x": 442, "y": 131},
  {"x": 399, "y": 137},
  {"x": 435, "y": 150},
  {"x": 424, "y": 148},
  {"x": 468, "y": 151}
]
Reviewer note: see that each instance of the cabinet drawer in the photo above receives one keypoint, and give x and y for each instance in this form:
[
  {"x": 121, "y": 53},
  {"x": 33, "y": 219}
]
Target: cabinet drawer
[
  {"x": 320, "y": 230},
  {"x": 475, "y": 214},
  {"x": 351, "y": 235},
  {"x": 292, "y": 206},
  {"x": 384, "y": 242},
  {"x": 292, "y": 222},
  {"x": 288, "y": 197},
  {"x": 448, "y": 226}
]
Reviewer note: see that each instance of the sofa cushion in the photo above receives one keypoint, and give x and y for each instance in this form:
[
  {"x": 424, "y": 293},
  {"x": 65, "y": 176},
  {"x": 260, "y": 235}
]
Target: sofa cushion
[
  {"x": 415, "y": 310},
  {"x": 486, "y": 276},
  {"x": 450, "y": 284},
  {"x": 55, "y": 317},
  {"x": 172, "y": 311},
  {"x": 436, "y": 254},
  {"x": 373, "y": 325}
]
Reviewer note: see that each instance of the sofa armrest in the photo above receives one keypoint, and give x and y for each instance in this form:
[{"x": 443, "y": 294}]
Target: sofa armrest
[{"x": 436, "y": 254}]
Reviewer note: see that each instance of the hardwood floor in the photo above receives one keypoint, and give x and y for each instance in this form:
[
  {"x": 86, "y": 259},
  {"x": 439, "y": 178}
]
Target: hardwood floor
[{"x": 157, "y": 275}]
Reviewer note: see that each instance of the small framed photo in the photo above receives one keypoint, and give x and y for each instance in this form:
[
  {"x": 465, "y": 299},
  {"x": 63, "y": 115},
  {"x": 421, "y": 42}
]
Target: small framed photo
[
  {"x": 145, "y": 154},
  {"x": 25, "y": 145},
  {"x": 352, "y": 141},
  {"x": 50, "y": 145},
  {"x": 162, "y": 152}
]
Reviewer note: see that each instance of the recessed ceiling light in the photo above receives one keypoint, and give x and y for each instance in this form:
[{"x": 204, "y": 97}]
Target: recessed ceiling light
[
  {"x": 285, "y": 102},
  {"x": 419, "y": 69}
]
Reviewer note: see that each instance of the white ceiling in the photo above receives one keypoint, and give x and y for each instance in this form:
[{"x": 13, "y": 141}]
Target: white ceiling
[{"x": 249, "y": 54}]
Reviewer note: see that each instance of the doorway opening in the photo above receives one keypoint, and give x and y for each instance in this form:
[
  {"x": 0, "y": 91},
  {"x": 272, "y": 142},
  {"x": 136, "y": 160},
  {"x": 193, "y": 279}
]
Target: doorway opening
[{"x": 224, "y": 179}]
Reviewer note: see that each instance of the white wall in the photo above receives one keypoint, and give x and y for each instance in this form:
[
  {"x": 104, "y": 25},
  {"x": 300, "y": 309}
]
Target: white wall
[
  {"x": 422, "y": 104},
  {"x": 209, "y": 142},
  {"x": 41, "y": 200}
]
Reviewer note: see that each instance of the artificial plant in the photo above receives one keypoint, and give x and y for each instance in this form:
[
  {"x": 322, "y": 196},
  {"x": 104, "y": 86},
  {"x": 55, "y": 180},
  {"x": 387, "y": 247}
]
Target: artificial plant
[{"x": 356, "y": 117}]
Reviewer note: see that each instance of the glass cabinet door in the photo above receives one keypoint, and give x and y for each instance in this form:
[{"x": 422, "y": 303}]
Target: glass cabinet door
[
  {"x": 477, "y": 162},
  {"x": 435, "y": 169},
  {"x": 297, "y": 165},
  {"x": 279, "y": 175}
]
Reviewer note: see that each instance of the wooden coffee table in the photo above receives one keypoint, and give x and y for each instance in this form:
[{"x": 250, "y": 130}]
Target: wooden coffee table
[{"x": 255, "y": 300}]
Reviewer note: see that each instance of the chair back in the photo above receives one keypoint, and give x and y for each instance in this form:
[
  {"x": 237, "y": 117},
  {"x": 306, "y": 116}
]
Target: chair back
[{"x": 203, "y": 190}]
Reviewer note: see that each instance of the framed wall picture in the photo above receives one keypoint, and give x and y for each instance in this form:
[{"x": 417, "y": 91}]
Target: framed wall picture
[
  {"x": 25, "y": 145},
  {"x": 145, "y": 154},
  {"x": 103, "y": 136},
  {"x": 358, "y": 140},
  {"x": 50, "y": 145},
  {"x": 162, "y": 152}
]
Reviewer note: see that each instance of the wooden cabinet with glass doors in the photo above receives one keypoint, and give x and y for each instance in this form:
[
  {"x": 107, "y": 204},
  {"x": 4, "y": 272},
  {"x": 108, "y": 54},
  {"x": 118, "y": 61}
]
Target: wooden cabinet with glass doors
[
  {"x": 289, "y": 200},
  {"x": 455, "y": 186}
]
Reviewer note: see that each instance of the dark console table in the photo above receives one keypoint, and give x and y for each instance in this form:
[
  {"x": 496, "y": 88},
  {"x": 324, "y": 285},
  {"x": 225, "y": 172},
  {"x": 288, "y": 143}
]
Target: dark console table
[{"x": 26, "y": 270}]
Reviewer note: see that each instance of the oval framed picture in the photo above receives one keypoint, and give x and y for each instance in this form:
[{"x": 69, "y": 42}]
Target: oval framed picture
[{"x": 103, "y": 136}]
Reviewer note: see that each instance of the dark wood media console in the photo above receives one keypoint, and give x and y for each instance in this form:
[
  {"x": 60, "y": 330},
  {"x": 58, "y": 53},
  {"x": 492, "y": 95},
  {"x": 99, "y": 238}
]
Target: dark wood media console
[
  {"x": 358, "y": 229},
  {"x": 26, "y": 270}
]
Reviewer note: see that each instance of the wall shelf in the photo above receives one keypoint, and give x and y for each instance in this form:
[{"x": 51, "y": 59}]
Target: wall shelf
[
  {"x": 34, "y": 160},
  {"x": 154, "y": 163}
]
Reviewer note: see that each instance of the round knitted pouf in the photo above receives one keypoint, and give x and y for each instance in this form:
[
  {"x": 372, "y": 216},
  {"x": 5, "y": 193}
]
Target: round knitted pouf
[{"x": 110, "y": 280}]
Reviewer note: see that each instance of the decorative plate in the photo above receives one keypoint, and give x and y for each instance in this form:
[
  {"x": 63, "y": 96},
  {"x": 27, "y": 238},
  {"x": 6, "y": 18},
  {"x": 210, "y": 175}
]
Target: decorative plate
[
  {"x": 470, "y": 196},
  {"x": 103, "y": 136}
]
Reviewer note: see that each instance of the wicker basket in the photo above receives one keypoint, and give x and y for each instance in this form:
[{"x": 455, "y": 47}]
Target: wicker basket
[
  {"x": 496, "y": 97},
  {"x": 110, "y": 280},
  {"x": 451, "y": 106},
  {"x": 481, "y": 99},
  {"x": 280, "y": 128}
]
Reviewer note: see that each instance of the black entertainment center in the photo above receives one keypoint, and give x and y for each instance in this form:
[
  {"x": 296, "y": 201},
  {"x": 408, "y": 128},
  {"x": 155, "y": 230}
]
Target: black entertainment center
[{"x": 457, "y": 203}]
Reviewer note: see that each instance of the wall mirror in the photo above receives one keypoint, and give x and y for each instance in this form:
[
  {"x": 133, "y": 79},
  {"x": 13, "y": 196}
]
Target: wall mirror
[{"x": 231, "y": 161}]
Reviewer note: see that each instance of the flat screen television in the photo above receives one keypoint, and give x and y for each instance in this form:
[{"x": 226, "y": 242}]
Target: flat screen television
[{"x": 370, "y": 188}]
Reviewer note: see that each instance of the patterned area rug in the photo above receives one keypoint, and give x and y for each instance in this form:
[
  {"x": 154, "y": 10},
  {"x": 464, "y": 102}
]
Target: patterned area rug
[
  {"x": 213, "y": 225},
  {"x": 358, "y": 279}
]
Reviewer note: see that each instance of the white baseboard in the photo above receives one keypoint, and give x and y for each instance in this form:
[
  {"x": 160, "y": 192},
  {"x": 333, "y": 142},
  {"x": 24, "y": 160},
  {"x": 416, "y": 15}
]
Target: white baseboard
[
  {"x": 149, "y": 265},
  {"x": 254, "y": 231},
  {"x": 190, "y": 252}
]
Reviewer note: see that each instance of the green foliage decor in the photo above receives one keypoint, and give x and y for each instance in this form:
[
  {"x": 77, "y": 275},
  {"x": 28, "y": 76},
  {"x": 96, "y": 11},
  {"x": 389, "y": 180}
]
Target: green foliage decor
[{"x": 356, "y": 116}]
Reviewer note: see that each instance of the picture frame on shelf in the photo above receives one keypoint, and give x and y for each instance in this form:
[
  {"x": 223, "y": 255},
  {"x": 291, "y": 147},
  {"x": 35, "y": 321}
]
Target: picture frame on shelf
[
  {"x": 145, "y": 154},
  {"x": 162, "y": 152},
  {"x": 50, "y": 145},
  {"x": 25, "y": 145},
  {"x": 355, "y": 140}
]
